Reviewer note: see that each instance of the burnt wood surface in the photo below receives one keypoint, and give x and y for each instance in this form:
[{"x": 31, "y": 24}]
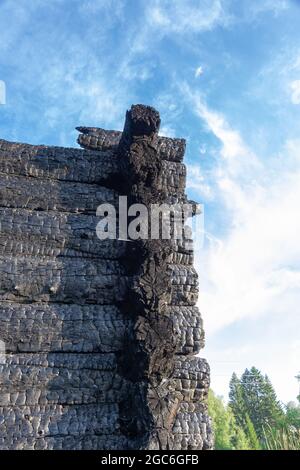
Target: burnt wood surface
[{"x": 101, "y": 337}]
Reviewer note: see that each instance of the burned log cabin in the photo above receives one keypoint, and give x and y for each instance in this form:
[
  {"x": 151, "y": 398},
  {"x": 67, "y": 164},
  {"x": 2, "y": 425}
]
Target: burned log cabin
[{"x": 101, "y": 337}]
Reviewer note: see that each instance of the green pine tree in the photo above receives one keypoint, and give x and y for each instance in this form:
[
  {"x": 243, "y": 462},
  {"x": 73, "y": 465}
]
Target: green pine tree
[
  {"x": 236, "y": 400},
  {"x": 253, "y": 398}
]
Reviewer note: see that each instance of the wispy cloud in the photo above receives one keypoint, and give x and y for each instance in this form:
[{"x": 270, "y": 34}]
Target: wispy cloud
[
  {"x": 196, "y": 180},
  {"x": 295, "y": 91},
  {"x": 257, "y": 262},
  {"x": 64, "y": 79},
  {"x": 250, "y": 266},
  {"x": 273, "y": 6},
  {"x": 175, "y": 16}
]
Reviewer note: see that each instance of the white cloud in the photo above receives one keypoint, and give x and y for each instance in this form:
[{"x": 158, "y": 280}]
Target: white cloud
[
  {"x": 167, "y": 131},
  {"x": 277, "y": 84},
  {"x": 273, "y": 6},
  {"x": 196, "y": 180},
  {"x": 176, "y": 16},
  {"x": 257, "y": 261},
  {"x": 199, "y": 71},
  {"x": 196, "y": 16},
  {"x": 70, "y": 83},
  {"x": 238, "y": 159},
  {"x": 295, "y": 91},
  {"x": 250, "y": 268},
  {"x": 232, "y": 144}
]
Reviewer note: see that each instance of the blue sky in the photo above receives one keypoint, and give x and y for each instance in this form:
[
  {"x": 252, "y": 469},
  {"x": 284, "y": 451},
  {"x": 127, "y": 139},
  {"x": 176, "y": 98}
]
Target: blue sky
[{"x": 225, "y": 75}]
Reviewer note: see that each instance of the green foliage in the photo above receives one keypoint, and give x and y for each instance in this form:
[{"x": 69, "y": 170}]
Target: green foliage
[
  {"x": 286, "y": 435},
  {"x": 292, "y": 415},
  {"x": 251, "y": 434},
  {"x": 228, "y": 434},
  {"x": 254, "y": 418},
  {"x": 236, "y": 400},
  {"x": 239, "y": 440},
  {"x": 284, "y": 438},
  {"x": 254, "y": 404}
]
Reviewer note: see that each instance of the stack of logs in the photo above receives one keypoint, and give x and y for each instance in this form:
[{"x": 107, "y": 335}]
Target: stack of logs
[{"x": 100, "y": 337}]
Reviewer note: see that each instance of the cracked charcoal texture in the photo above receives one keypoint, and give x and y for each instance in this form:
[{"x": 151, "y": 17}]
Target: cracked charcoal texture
[{"x": 101, "y": 337}]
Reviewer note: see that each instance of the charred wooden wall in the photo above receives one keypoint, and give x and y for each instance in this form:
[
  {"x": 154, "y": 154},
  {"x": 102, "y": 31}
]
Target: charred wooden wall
[{"x": 101, "y": 337}]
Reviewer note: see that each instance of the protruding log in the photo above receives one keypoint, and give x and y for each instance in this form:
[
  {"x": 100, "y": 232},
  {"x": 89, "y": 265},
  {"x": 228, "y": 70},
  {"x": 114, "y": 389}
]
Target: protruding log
[
  {"x": 191, "y": 378},
  {"x": 93, "y": 138},
  {"x": 188, "y": 327},
  {"x": 192, "y": 429},
  {"x": 79, "y": 166},
  {"x": 184, "y": 281}
]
